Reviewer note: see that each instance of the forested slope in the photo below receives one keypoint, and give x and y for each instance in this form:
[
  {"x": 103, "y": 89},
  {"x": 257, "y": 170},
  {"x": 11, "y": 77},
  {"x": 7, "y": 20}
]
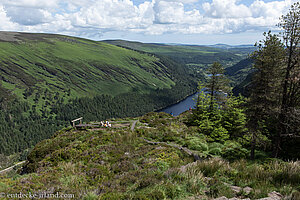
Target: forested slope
[{"x": 239, "y": 72}]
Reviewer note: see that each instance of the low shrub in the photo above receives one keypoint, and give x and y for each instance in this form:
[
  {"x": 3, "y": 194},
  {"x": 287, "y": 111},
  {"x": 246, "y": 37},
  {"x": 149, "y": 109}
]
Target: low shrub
[
  {"x": 233, "y": 150},
  {"x": 197, "y": 144},
  {"x": 90, "y": 196},
  {"x": 215, "y": 148},
  {"x": 217, "y": 188}
]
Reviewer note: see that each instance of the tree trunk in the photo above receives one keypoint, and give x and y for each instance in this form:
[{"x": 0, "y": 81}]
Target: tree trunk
[
  {"x": 276, "y": 148},
  {"x": 253, "y": 145}
]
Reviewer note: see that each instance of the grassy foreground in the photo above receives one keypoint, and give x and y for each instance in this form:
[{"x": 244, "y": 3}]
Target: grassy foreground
[{"x": 118, "y": 163}]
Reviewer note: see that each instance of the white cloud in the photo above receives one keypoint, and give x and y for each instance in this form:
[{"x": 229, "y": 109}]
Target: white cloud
[
  {"x": 112, "y": 15},
  {"x": 226, "y": 9},
  {"x": 28, "y": 16},
  {"x": 237, "y": 17},
  {"x": 180, "y": 1},
  {"x": 31, "y": 3},
  {"x": 91, "y": 17},
  {"x": 272, "y": 9},
  {"x": 173, "y": 13},
  {"x": 5, "y": 23}
]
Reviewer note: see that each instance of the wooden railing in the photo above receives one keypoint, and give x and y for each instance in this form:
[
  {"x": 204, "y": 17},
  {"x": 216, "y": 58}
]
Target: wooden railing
[{"x": 75, "y": 120}]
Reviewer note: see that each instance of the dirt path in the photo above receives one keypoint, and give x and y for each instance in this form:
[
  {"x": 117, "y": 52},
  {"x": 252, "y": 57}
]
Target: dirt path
[
  {"x": 10, "y": 168},
  {"x": 133, "y": 125}
]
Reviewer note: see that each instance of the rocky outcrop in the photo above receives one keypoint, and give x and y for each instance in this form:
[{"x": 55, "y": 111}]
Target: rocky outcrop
[{"x": 271, "y": 196}]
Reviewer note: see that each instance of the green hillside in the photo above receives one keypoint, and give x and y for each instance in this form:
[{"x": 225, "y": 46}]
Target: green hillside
[
  {"x": 189, "y": 54},
  {"x": 245, "y": 86},
  {"x": 240, "y": 71},
  {"x": 197, "y": 58},
  {"x": 158, "y": 158},
  {"x": 47, "y": 80},
  {"x": 64, "y": 66}
]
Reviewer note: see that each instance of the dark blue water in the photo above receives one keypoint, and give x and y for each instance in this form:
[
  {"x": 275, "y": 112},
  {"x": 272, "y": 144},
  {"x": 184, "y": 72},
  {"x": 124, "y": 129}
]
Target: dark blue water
[{"x": 180, "y": 107}]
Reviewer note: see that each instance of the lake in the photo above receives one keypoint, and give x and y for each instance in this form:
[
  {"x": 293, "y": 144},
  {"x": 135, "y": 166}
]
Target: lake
[{"x": 181, "y": 106}]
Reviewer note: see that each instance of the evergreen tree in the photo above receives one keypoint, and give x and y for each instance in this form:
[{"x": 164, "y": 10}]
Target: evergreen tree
[
  {"x": 218, "y": 115},
  {"x": 266, "y": 85},
  {"x": 289, "y": 122},
  {"x": 217, "y": 85},
  {"x": 274, "y": 104}
]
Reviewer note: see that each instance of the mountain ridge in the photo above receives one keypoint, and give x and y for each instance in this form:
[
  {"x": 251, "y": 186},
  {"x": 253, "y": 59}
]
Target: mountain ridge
[{"x": 30, "y": 60}]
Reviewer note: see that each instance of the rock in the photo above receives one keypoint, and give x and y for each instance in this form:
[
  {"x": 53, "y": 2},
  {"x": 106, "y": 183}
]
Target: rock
[
  {"x": 207, "y": 178},
  {"x": 247, "y": 190},
  {"x": 160, "y": 147},
  {"x": 273, "y": 196},
  {"x": 234, "y": 198},
  {"x": 199, "y": 197},
  {"x": 236, "y": 189},
  {"x": 221, "y": 198}
]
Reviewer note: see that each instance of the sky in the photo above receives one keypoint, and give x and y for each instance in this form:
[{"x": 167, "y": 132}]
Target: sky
[{"x": 162, "y": 21}]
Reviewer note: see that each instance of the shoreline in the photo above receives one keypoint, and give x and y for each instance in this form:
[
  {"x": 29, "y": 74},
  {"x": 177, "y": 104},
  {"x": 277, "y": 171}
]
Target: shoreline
[{"x": 177, "y": 102}]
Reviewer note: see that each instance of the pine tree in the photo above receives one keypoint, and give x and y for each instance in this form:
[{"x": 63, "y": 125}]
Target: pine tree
[
  {"x": 218, "y": 114},
  {"x": 263, "y": 104},
  {"x": 289, "y": 122},
  {"x": 275, "y": 100},
  {"x": 217, "y": 85}
]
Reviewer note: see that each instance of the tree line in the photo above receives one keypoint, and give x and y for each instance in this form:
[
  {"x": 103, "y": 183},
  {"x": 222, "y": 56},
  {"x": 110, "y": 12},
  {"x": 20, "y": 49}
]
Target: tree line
[
  {"x": 274, "y": 103},
  {"x": 270, "y": 118}
]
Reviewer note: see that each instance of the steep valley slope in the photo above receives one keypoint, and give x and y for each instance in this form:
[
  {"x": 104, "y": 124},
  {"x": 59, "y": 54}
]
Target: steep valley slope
[
  {"x": 46, "y": 80},
  {"x": 33, "y": 63}
]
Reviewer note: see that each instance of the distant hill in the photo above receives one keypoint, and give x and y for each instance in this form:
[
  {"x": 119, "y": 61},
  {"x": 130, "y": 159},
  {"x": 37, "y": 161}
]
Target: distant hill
[
  {"x": 46, "y": 80},
  {"x": 243, "y": 87},
  {"x": 188, "y": 54},
  {"x": 226, "y": 46},
  {"x": 240, "y": 71},
  {"x": 198, "y": 57}
]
